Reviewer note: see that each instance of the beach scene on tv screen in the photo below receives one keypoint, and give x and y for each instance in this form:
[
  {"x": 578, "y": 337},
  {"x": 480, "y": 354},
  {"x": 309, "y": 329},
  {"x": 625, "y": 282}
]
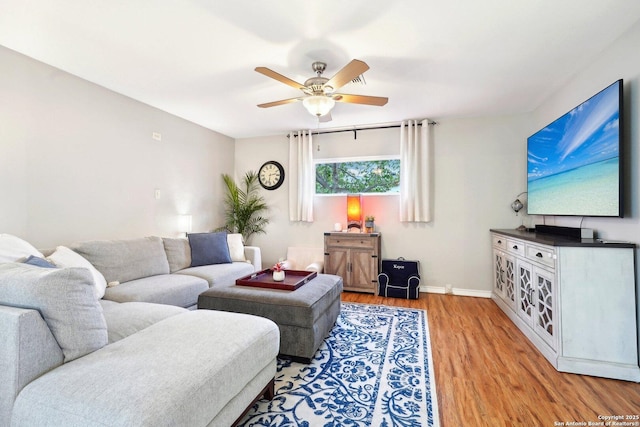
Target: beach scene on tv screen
[{"x": 573, "y": 164}]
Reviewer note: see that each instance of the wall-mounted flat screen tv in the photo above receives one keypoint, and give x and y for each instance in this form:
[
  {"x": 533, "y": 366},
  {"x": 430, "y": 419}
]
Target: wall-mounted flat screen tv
[{"x": 574, "y": 164}]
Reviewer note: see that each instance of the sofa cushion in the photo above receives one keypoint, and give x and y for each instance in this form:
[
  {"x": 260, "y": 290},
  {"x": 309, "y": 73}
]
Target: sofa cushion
[
  {"x": 64, "y": 298},
  {"x": 13, "y": 249},
  {"x": 219, "y": 274},
  {"x": 178, "y": 253},
  {"x": 65, "y": 257},
  {"x": 181, "y": 371},
  {"x": 236, "y": 247},
  {"x": 127, "y": 318},
  {"x": 125, "y": 260},
  {"x": 209, "y": 248},
  {"x": 172, "y": 289}
]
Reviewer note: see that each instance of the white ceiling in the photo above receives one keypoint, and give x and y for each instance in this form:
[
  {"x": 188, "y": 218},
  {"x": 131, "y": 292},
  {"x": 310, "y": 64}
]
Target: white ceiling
[{"x": 433, "y": 59}]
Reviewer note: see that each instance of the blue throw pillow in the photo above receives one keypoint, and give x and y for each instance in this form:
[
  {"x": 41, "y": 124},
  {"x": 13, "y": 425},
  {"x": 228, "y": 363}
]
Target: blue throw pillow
[
  {"x": 39, "y": 262},
  {"x": 209, "y": 248}
]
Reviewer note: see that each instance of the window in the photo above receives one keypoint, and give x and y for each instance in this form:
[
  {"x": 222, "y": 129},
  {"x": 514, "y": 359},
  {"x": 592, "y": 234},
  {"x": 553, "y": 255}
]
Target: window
[{"x": 362, "y": 175}]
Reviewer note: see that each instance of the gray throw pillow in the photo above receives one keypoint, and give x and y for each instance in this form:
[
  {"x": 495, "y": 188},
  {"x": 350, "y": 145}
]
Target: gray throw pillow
[
  {"x": 209, "y": 248},
  {"x": 178, "y": 253},
  {"x": 66, "y": 301},
  {"x": 125, "y": 260}
]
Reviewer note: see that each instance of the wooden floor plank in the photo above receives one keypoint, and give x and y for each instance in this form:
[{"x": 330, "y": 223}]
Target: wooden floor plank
[{"x": 489, "y": 374}]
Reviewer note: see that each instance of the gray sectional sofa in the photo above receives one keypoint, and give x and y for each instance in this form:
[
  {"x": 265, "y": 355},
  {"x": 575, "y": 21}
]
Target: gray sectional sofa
[
  {"x": 137, "y": 356},
  {"x": 158, "y": 270}
]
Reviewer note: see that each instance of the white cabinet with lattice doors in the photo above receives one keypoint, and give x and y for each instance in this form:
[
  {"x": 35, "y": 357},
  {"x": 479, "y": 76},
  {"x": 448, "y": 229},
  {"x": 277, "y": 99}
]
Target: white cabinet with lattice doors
[
  {"x": 536, "y": 295},
  {"x": 525, "y": 292},
  {"x": 504, "y": 271},
  {"x": 545, "y": 316},
  {"x": 528, "y": 288},
  {"x": 573, "y": 299},
  {"x": 498, "y": 273},
  {"x": 504, "y": 267}
]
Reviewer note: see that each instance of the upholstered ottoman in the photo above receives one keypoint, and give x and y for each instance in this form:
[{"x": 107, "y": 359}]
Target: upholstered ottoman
[{"x": 305, "y": 316}]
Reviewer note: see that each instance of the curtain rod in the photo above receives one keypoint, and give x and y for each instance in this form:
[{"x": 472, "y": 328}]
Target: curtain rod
[{"x": 355, "y": 130}]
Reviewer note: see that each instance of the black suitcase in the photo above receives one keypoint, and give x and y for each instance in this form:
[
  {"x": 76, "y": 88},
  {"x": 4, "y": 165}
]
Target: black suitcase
[{"x": 399, "y": 278}]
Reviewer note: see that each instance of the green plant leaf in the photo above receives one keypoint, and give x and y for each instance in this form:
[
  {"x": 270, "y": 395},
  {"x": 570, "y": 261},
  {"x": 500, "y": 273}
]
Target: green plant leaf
[{"x": 244, "y": 207}]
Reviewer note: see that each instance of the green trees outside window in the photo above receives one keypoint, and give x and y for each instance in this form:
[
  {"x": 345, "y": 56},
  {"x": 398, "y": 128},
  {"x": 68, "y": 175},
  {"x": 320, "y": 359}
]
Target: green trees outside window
[{"x": 371, "y": 176}]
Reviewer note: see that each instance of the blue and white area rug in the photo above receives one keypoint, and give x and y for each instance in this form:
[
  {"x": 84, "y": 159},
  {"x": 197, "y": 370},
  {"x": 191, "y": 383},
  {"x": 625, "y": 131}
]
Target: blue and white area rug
[{"x": 374, "y": 369}]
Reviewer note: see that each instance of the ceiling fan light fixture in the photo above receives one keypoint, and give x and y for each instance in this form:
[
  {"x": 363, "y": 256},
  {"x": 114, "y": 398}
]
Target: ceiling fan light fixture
[
  {"x": 318, "y": 105},
  {"x": 320, "y": 92}
]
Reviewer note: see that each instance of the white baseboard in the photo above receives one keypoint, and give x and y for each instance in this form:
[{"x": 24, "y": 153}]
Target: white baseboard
[{"x": 456, "y": 291}]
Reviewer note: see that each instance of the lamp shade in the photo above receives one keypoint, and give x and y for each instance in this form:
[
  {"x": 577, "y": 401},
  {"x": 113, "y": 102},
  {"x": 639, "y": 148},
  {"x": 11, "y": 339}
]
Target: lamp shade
[
  {"x": 184, "y": 223},
  {"x": 318, "y": 105},
  {"x": 354, "y": 210}
]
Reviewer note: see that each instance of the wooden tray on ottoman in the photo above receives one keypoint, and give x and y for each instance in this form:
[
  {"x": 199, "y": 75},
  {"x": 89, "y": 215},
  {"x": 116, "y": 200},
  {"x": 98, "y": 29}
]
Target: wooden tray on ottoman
[{"x": 293, "y": 279}]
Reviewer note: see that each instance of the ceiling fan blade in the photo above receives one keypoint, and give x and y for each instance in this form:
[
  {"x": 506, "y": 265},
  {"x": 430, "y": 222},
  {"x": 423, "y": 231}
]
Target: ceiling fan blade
[
  {"x": 349, "y": 72},
  {"x": 326, "y": 118},
  {"x": 276, "y": 103},
  {"x": 279, "y": 77},
  {"x": 361, "y": 99}
]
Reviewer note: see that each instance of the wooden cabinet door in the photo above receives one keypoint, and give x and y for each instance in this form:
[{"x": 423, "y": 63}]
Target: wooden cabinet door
[
  {"x": 337, "y": 261},
  {"x": 362, "y": 270}
]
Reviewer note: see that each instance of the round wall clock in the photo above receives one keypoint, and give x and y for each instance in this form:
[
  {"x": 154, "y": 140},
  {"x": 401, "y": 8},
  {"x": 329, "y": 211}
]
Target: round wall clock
[{"x": 271, "y": 175}]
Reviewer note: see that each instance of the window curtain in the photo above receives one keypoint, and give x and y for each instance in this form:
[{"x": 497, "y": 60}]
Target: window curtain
[
  {"x": 301, "y": 176},
  {"x": 415, "y": 171}
]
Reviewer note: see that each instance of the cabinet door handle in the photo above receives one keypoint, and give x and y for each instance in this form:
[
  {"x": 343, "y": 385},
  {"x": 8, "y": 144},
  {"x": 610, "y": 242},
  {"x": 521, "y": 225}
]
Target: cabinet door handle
[
  {"x": 515, "y": 247},
  {"x": 539, "y": 255},
  {"x": 499, "y": 242}
]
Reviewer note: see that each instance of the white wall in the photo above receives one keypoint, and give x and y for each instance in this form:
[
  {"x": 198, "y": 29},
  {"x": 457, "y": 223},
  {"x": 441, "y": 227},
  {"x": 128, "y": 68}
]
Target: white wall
[
  {"x": 78, "y": 161},
  {"x": 478, "y": 172}
]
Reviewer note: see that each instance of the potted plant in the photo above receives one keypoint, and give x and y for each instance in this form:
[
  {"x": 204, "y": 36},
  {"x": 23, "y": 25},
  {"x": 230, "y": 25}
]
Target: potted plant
[
  {"x": 369, "y": 223},
  {"x": 244, "y": 207},
  {"x": 278, "y": 272}
]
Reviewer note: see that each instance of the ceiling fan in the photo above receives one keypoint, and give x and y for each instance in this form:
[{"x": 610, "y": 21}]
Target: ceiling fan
[{"x": 320, "y": 92}]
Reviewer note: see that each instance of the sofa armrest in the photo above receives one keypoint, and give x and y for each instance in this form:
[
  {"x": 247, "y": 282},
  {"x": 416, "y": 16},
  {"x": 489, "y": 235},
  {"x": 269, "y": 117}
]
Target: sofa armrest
[
  {"x": 254, "y": 256},
  {"x": 28, "y": 350},
  {"x": 317, "y": 266}
]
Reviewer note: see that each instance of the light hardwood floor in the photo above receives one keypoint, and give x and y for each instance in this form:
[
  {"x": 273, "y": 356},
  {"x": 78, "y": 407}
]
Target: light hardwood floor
[{"x": 489, "y": 374}]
